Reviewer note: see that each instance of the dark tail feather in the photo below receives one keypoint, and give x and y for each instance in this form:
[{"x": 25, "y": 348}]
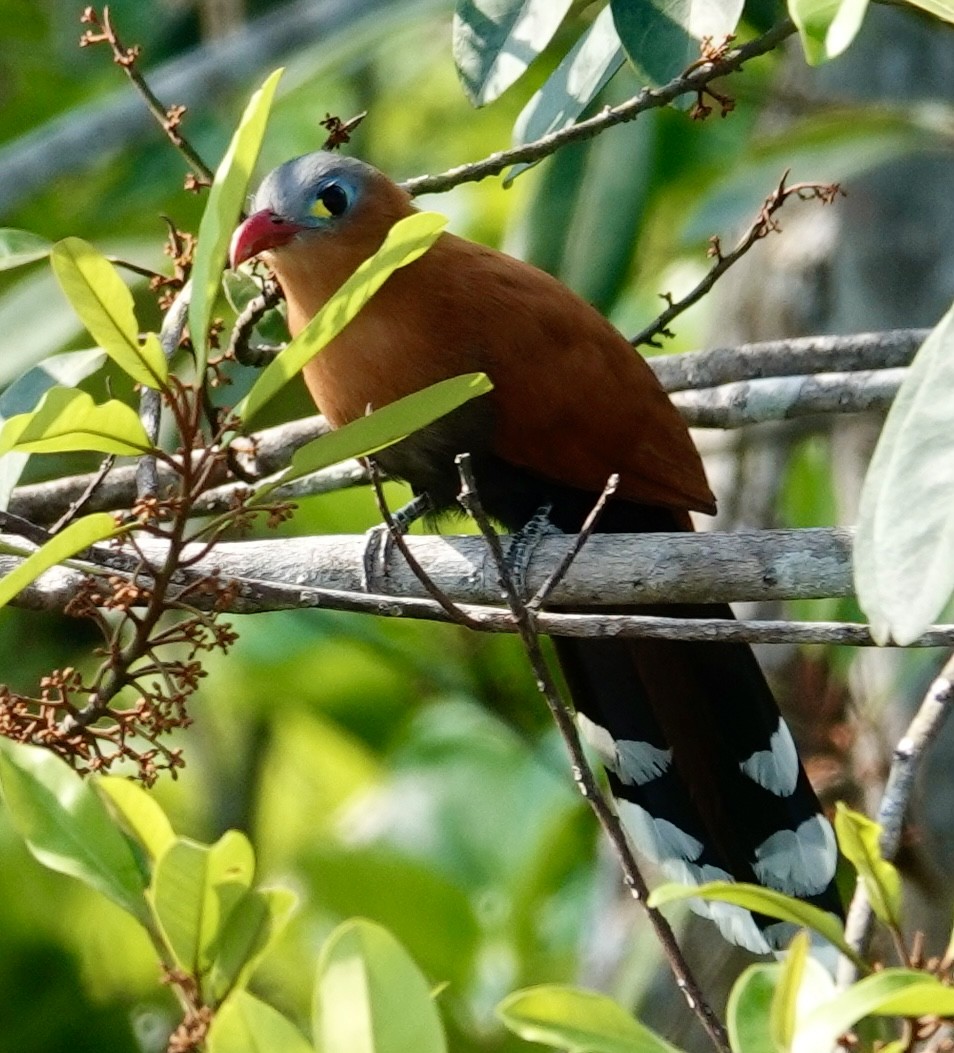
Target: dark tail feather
[{"x": 703, "y": 768}]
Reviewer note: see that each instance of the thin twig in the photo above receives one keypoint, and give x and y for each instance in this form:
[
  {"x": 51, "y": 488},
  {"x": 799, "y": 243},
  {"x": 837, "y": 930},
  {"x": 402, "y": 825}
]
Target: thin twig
[
  {"x": 250, "y": 315},
  {"x": 648, "y": 99},
  {"x": 582, "y": 772},
  {"x": 169, "y": 118},
  {"x": 86, "y": 496},
  {"x": 908, "y": 753},
  {"x": 763, "y": 225}
]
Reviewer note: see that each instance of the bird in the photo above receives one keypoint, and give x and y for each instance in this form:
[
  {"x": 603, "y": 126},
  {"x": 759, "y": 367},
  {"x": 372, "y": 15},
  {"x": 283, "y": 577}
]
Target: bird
[{"x": 702, "y": 769}]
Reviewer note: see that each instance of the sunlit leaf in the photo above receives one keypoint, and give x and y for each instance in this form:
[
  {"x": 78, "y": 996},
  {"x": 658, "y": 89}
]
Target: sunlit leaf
[
  {"x": 904, "y": 549},
  {"x": 194, "y": 889},
  {"x": 762, "y": 901},
  {"x": 222, "y": 210},
  {"x": 66, "y": 825},
  {"x": 139, "y": 811},
  {"x": 387, "y": 425},
  {"x": 785, "y": 1002},
  {"x": 943, "y": 9},
  {"x": 576, "y": 1020},
  {"x": 859, "y": 839},
  {"x": 105, "y": 306},
  {"x": 77, "y": 536},
  {"x": 246, "y": 1025},
  {"x": 826, "y": 27},
  {"x": 68, "y": 420},
  {"x": 370, "y": 996},
  {"x": 253, "y": 925},
  {"x": 495, "y": 40},
  {"x": 26, "y": 391},
  {"x": 406, "y": 241},
  {"x": 579, "y": 78},
  {"x": 18, "y": 247}
]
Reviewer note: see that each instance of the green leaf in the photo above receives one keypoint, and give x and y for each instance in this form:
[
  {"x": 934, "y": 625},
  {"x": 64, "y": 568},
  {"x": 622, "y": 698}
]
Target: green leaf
[
  {"x": 138, "y": 811},
  {"x": 105, "y": 306},
  {"x": 763, "y": 901},
  {"x": 18, "y": 247},
  {"x": 661, "y": 37},
  {"x": 387, "y": 425},
  {"x": 370, "y": 997},
  {"x": 194, "y": 889},
  {"x": 826, "y": 27},
  {"x": 77, "y": 536},
  {"x": 942, "y": 9},
  {"x": 246, "y": 1025},
  {"x": 859, "y": 839},
  {"x": 406, "y": 241},
  {"x": 222, "y": 210},
  {"x": 579, "y": 78},
  {"x": 904, "y": 549},
  {"x": 494, "y": 41},
  {"x": 68, "y": 369},
  {"x": 66, "y": 826},
  {"x": 891, "y": 992},
  {"x": 749, "y": 1008},
  {"x": 576, "y": 1020},
  {"x": 782, "y": 1013},
  {"x": 252, "y": 927},
  {"x": 68, "y": 420}
]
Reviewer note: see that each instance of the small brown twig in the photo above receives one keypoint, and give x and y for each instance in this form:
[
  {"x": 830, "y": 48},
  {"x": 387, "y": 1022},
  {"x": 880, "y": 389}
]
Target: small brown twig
[
  {"x": 764, "y": 224},
  {"x": 339, "y": 131},
  {"x": 169, "y": 118},
  {"x": 589, "y": 525},
  {"x": 582, "y": 772}
]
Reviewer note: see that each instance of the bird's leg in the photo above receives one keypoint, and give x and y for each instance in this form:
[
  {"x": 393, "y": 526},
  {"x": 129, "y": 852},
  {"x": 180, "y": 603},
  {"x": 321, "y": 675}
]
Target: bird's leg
[
  {"x": 522, "y": 544},
  {"x": 379, "y": 540}
]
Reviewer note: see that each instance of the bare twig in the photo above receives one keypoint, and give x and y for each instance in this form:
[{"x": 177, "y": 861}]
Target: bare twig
[
  {"x": 248, "y": 318},
  {"x": 763, "y": 225},
  {"x": 909, "y": 751},
  {"x": 525, "y": 620},
  {"x": 86, "y": 496},
  {"x": 169, "y": 118},
  {"x": 688, "y": 83}
]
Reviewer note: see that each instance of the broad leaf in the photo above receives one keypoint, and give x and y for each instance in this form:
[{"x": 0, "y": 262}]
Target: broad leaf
[
  {"x": 763, "y": 901},
  {"x": 406, "y": 241},
  {"x": 891, "y": 992},
  {"x": 495, "y": 40},
  {"x": 904, "y": 549},
  {"x": 370, "y": 997},
  {"x": 26, "y": 391},
  {"x": 105, "y": 306},
  {"x": 246, "y": 1025},
  {"x": 194, "y": 889},
  {"x": 77, "y": 536},
  {"x": 943, "y": 9},
  {"x": 255, "y": 922},
  {"x": 18, "y": 247},
  {"x": 826, "y": 27},
  {"x": 387, "y": 425},
  {"x": 139, "y": 812},
  {"x": 66, "y": 826},
  {"x": 661, "y": 37},
  {"x": 859, "y": 839},
  {"x": 222, "y": 210},
  {"x": 68, "y": 420},
  {"x": 749, "y": 1008},
  {"x": 579, "y": 78},
  {"x": 580, "y": 1021}
]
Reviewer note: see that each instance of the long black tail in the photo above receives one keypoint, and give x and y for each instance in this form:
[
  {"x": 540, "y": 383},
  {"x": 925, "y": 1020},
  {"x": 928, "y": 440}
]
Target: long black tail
[{"x": 704, "y": 771}]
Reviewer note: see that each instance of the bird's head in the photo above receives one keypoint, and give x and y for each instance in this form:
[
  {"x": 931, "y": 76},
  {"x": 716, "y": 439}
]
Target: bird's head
[{"x": 309, "y": 200}]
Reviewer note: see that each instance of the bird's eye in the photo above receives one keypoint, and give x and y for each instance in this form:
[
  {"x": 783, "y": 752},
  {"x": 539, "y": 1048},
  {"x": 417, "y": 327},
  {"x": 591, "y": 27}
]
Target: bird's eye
[{"x": 332, "y": 200}]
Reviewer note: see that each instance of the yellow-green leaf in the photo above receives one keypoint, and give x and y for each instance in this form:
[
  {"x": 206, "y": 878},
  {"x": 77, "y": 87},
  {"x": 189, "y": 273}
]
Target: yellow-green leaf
[
  {"x": 406, "y": 241},
  {"x": 222, "y": 210},
  {"x": 105, "y": 306},
  {"x": 139, "y": 811},
  {"x": 77, "y": 536},
  {"x": 386, "y": 425},
  {"x": 943, "y": 9},
  {"x": 859, "y": 838},
  {"x": 826, "y": 27},
  {"x": 246, "y": 1025},
  {"x": 785, "y": 1001}
]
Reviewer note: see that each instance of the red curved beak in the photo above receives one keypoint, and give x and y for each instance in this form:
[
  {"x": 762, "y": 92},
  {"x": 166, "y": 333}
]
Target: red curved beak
[{"x": 261, "y": 231}]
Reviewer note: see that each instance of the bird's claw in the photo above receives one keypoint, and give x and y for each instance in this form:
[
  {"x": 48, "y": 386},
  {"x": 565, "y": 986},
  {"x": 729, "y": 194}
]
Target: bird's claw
[
  {"x": 522, "y": 544},
  {"x": 379, "y": 541}
]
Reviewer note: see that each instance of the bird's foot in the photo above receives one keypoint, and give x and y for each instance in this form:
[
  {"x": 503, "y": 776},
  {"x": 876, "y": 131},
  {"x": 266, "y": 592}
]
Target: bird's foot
[
  {"x": 522, "y": 544},
  {"x": 379, "y": 540}
]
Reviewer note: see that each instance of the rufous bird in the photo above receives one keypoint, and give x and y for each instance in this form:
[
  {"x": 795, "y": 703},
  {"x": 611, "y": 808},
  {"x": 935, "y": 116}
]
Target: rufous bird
[{"x": 704, "y": 772}]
